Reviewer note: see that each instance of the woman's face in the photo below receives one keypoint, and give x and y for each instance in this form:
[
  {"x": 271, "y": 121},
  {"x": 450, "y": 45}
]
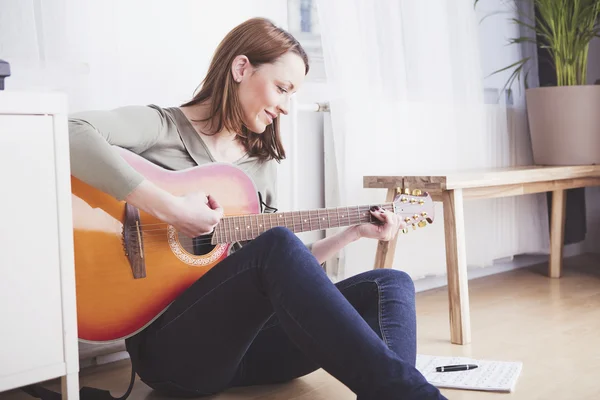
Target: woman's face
[{"x": 264, "y": 92}]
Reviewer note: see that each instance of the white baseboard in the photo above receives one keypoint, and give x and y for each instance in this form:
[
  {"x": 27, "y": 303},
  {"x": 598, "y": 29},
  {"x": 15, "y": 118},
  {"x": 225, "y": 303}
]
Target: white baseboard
[
  {"x": 103, "y": 359},
  {"x": 521, "y": 261}
]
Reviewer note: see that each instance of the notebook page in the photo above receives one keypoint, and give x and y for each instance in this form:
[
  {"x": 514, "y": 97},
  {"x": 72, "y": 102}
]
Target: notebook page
[{"x": 491, "y": 375}]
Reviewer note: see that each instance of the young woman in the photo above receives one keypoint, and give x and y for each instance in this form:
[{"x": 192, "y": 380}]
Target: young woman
[{"x": 267, "y": 313}]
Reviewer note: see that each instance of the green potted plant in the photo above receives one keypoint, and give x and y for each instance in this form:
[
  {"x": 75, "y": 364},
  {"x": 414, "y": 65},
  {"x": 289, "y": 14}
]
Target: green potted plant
[{"x": 564, "y": 120}]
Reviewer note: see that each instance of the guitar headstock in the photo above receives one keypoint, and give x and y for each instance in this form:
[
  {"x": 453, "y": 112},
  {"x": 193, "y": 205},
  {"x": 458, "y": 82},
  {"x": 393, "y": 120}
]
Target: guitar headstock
[{"x": 414, "y": 207}]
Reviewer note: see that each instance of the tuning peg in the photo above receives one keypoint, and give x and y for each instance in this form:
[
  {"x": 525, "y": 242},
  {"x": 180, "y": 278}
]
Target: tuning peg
[
  {"x": 414, "y": 227},
  {"x": 421, "y": 202},
  {"x": 416, "y": 192},
  {"x": 406, "y": 191},
  {"x": 429, "y": 220},
  {"x": 422, "y": 224},
  {"x": 407, "y": 219},
  {"x": 424, "y": 214},
  {"x": 398, "y": 190},
  {"x": 404, "y": 230}
]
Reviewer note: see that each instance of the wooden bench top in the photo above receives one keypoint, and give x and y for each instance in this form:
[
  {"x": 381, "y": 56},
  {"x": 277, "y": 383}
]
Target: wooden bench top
[{"x": 479, "y": 178}]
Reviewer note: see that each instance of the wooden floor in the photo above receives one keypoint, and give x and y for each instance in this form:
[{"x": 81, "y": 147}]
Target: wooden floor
[{"x": 551, "y": 325}]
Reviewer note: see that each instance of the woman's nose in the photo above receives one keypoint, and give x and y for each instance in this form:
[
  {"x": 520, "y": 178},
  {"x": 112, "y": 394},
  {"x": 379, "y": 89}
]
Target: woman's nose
[{"x": 283, "y": 108}]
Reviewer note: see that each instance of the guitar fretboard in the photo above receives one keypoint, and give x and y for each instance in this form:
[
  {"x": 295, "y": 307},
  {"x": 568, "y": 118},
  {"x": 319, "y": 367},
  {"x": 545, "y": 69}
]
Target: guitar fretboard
[{"x": 247, "y": 227}]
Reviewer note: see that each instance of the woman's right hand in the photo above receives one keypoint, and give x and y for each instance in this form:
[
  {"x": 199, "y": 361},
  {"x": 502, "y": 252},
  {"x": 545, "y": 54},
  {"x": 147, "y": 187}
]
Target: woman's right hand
[{"x": 195, "y": 214}]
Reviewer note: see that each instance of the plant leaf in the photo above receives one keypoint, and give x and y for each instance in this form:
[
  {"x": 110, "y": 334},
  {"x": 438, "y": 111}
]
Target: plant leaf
[
  {"x": 564, "y": 27},
  {"x": 518, "y": 63}
]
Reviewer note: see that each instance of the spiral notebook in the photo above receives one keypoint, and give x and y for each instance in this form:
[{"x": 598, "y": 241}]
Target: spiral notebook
[{"x": 495, "y": 376}]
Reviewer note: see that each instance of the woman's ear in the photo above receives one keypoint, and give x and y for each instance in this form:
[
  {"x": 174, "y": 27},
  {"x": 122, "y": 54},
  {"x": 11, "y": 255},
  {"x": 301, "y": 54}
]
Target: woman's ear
[{"x": 240, "y": 68}]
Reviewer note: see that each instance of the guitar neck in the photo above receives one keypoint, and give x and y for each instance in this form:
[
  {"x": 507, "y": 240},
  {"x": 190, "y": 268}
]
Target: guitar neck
[{"x": 247, "y": 227}]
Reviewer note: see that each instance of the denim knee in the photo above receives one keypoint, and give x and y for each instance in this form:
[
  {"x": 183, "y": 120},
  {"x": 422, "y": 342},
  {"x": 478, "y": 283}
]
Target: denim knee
[
  {"x": 283, "y": 244},
  {"x": 394, "y": 278},
  {"x": 280, "y": 235}
]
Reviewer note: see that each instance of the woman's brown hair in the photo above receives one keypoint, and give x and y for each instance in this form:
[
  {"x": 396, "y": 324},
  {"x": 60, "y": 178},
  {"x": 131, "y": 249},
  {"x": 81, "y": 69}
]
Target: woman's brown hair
[{"x": 262, "y": 42}]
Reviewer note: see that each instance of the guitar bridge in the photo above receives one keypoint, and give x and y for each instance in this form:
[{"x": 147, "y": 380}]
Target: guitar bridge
[{"x": 132, "y": 241}]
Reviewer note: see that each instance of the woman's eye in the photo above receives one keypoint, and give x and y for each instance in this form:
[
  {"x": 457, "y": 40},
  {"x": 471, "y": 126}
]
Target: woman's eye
[{"x": 281, "y": 90}]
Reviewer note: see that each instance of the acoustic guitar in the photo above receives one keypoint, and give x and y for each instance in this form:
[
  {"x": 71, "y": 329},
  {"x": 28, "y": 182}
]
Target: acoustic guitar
[{"x": 130, "y": 266}]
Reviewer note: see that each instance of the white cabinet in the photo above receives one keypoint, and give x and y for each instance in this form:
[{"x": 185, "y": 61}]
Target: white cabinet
[{"x": 38, "y": 327}]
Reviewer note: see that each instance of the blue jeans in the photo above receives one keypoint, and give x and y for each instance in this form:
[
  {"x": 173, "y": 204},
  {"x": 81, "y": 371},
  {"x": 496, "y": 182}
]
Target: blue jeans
[{"x": 268, "y": 314}]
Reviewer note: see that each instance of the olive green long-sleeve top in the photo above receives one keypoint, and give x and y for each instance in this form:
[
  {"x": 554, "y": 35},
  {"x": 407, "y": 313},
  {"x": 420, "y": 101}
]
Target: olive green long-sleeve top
[{"x": 163, "y": 136}]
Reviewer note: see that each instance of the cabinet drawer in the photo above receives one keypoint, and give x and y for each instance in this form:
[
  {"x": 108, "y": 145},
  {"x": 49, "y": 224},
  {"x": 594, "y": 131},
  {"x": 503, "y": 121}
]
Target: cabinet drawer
[{"x": 30, "y": 291}]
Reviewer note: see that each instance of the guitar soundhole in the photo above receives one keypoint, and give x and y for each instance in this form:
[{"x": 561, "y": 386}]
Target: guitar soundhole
[{"x": 197, "y": 246}]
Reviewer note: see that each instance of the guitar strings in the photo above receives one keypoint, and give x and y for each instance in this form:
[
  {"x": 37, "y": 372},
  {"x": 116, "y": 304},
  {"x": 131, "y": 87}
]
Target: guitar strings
[
  {"x": 160, "y": 240},
  {"x": 250, "y": 221},
  {"x": 347, "y": 210},
  {"x": 252, "y": 228},
  {"x": 239, "y": 235},
  {"x": 253, "y": 223},
  {"x": 151, "y": 245}
]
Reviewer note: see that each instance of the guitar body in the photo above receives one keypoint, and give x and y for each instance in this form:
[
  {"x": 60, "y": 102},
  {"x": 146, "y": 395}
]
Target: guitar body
[{"x": 112, "y": 303}]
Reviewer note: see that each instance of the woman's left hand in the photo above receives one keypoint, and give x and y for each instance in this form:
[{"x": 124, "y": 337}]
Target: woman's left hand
[{"x": 386, "y": 231}]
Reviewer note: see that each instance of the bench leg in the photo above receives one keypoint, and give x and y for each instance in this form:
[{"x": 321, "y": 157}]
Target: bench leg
[
  {"x": 384, "y": 257},
  {"x": 456, "y": 264},
  {"x": 557, "y": 232}
]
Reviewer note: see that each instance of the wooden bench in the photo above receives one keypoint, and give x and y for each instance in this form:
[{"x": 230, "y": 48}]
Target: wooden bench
[{"x": 453, "y": 188}]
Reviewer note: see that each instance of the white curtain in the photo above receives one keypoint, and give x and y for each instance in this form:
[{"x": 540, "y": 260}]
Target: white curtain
[{"x": 406, "y": 88}]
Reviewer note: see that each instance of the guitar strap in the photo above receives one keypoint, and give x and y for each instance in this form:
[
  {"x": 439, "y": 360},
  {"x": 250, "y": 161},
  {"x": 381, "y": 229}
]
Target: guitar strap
[
  {"x": 85, "y": 393},
  {"x": 264, "y": 208}
]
